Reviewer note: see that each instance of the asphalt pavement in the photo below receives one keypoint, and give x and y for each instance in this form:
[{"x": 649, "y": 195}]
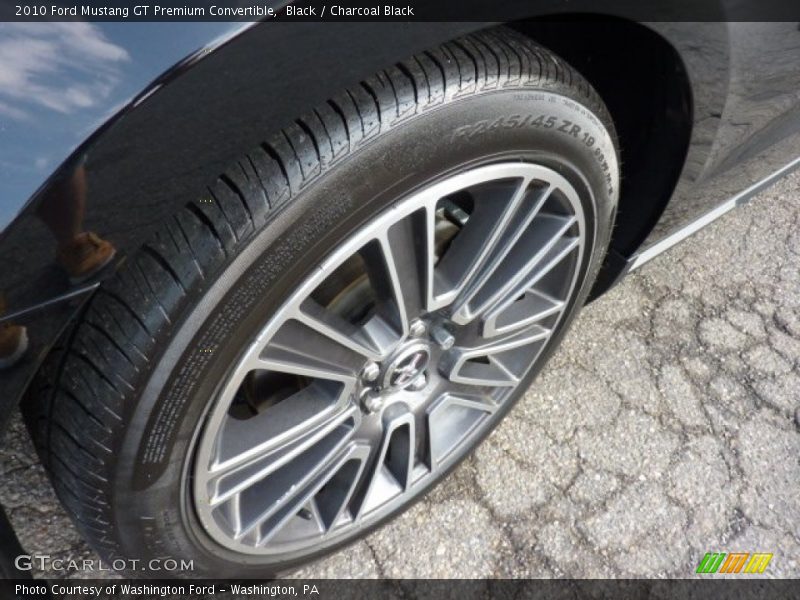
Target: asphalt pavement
[{"x": 665, "y": 427}]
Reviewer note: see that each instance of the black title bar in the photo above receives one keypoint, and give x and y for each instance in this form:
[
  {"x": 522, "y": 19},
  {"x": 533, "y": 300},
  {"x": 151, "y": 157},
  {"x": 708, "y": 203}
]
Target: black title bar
[{"x": 401, "y": 11}]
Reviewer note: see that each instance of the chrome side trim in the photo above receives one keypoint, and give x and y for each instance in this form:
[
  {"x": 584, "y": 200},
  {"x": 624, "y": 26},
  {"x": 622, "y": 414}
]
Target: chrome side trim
[{"x": 741, "y": 198}]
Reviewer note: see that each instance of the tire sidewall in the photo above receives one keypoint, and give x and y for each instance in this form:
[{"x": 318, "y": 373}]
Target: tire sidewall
[{"x": 150, "y": 498}]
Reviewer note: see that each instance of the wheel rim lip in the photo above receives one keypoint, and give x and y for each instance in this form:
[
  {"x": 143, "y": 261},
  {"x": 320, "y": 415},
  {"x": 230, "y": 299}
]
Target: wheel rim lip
[{"x": 217, "y": 412}]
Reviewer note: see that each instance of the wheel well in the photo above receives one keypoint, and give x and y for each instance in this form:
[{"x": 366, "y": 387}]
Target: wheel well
[{"x": 644, "y": 84}]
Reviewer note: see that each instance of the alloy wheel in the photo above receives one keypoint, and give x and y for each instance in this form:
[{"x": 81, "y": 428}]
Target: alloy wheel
[{"x": 390, "y": 361}]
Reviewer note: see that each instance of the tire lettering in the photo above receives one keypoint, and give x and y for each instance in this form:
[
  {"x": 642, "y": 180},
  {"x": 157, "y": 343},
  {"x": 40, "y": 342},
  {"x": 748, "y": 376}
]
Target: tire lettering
[
  {"x": 520, "y": 121},
  {"x": 546, "y": 121}
]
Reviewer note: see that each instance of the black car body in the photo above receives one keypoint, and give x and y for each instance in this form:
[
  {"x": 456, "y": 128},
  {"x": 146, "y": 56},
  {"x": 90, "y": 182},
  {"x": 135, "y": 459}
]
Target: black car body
[{"x": 707, "y": 114}]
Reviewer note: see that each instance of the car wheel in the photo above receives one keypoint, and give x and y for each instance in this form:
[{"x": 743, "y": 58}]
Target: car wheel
[{"x": 339, "y": 319}]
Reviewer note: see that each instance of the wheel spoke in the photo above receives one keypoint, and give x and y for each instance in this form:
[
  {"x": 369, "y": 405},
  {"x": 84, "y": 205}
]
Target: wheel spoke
[
  {"x": 250, "y": 450},
  {"x": 450, "y": 419},
  {"x": 495, "y": 363},
  {"x": 320, "y": 503},
  {"x": 299, "y": 349},
  {"x": 334, "y": 497},
  {"x": 532, "y": 249},
  {"x": 272, "y": 509},
  {"x": 518, "y": 312},
  {"x": 494, "y": 204},
  {"x": 391, "y": 467},
  {"x": 341, "y": 332},
  {"x": 530, "y": 205},
  {"x": 406, "y": 249},
  {"x": 526, "y": 304},
  {"x": 385, "y": 266}
]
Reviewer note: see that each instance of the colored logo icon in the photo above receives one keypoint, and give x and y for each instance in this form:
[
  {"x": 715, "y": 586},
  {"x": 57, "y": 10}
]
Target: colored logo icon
[{"x": 736, "y": 562}]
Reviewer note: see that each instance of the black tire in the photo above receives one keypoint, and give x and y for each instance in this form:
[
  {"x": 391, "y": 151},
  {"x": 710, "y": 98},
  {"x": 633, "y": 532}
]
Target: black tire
[{"x": 115, "y": 409}]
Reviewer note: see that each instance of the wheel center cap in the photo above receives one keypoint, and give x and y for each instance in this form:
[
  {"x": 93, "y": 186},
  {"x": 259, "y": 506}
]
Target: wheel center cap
[{"x": 406, "y": 366}]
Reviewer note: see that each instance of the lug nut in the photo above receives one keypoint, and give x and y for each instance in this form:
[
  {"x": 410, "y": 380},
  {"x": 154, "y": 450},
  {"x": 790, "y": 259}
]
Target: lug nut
[
  {"x": 371, "y": 402},
  {"x": 417, "y": 328},
  {"x": 419, "y": 383},
  {"x": 370, "y": 372},
  {"x": 442, "y": 337}
]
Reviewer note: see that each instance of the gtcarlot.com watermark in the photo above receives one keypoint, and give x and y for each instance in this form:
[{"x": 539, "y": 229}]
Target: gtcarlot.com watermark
[{"x": 45, "y": 562}]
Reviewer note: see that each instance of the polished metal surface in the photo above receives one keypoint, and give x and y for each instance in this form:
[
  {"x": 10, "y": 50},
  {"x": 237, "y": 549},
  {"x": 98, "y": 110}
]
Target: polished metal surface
[
  {"x": 387, "y": 364},
  {"x": 678, "y": 236}
]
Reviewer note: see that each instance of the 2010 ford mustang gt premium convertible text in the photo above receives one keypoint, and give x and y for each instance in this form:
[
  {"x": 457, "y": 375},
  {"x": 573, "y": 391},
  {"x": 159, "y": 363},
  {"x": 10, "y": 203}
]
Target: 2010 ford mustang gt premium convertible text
[{"x": 258, "y": 298}]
